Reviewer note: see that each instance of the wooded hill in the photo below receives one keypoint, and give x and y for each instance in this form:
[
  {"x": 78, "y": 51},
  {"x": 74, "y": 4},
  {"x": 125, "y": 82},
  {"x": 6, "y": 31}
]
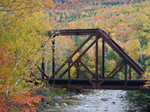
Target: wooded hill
[
  {"x": 22, "y": 30},
  {"x": 127, "y": 22}
]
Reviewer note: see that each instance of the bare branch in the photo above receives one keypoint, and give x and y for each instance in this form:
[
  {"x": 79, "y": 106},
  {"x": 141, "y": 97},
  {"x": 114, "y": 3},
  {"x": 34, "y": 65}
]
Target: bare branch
[{"x": 7, "y": 90}]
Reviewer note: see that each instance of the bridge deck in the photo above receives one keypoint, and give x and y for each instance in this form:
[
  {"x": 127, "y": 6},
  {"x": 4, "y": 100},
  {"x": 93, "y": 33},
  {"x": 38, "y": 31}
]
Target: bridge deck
[{"x": 108, "y": 84}]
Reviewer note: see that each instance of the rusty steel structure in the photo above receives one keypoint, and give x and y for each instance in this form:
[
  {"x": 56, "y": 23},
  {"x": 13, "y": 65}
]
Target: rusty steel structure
[{"x": 95, "y": 82}]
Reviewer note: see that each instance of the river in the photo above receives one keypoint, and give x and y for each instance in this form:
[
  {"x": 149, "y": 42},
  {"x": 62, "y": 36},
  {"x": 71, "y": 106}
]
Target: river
[{"x": 93, "y": 101}]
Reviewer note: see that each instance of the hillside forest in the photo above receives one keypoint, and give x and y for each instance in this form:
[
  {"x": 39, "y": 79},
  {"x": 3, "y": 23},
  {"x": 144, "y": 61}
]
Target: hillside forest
[{"x": 24, "y": 45}]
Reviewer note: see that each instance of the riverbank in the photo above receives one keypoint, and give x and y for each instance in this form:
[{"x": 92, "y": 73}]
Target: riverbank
[{"x": 92, "y": 101}]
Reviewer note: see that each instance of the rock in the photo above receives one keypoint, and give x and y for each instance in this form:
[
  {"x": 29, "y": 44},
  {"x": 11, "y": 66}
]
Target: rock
[
  {"x": 127, "y": 102},
  {"x": 47, "y": 105},
  {"x": 57, "y": 97},
  {"x": 127, "y": 108},
  {"x": 96, "y": 109},
  {"x": 119, "y": 96},
  {"x": 137, "y": 108},
  {"x": 42, "y": 108},
  {"x": 43, "y": 104},
  {"x": 67, "y": 96},
  {"x": 86, "y": 106},
  {"x": 124, "y": 95},
  {"x": 105, "y": 109},
  {"x": 96, "y": 106},
  {"x": 101, "y": 91},
  {"x": 82, "y": 96},
  {"x": 113, "y": 102},
  {"x": 137, "y": 111},
  {"x": 56, "y": 104},
  {"x": 78, "y": 97},
  {"x": 64, "y": 104},
  {"x": 131, "y": 104},
  {"x": 73, "y": 93},
  {"x": 98, "y": 94},
  {"x": 96, "y": 102},
  {"x": 58, "y": 107},
  {"x": 122, "y": 104},
  {"x": 104, "y": 99}
]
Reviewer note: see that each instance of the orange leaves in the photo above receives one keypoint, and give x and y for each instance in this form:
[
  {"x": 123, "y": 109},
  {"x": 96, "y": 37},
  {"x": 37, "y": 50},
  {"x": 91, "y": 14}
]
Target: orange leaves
[
  {"x": 3, "y": 54},
  {"x": 72, "y": 24},
  {"x": 25, "y": 104},
  {"x": 31, "y": 100},
  {"x": 6, "y": 65}
]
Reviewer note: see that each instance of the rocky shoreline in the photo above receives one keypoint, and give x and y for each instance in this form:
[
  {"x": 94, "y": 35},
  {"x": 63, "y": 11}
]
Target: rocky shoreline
[{"x": 90, "y": 101}]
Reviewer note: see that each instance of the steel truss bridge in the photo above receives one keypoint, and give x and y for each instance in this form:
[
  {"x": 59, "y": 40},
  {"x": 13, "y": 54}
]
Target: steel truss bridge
[{"x": 96, "y": 82}]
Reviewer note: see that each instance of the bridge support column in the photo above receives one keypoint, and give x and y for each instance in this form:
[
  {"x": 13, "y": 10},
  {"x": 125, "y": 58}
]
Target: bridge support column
[
  {"x": 125, "y": 76},
  {"x": 103, "y": 58},
  {"x": 53, "y": 56},
  {"x": 77, "y": 71},
  {"x": 129, "y": 72},
  {"x": 68, "y": 75},
  {"x": 96, "y": 62},
  {"x": 43, "y": 67}
]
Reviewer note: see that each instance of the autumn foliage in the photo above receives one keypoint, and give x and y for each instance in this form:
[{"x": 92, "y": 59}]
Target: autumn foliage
[
  {"x": 24, "y": 102},
  {"x": 20, "y": 32},
  {"x": 24, "y": 23}
]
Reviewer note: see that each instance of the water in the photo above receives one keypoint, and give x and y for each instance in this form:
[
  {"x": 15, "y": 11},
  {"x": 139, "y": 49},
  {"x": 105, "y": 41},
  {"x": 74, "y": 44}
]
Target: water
[{"x": 94, "y": 101}]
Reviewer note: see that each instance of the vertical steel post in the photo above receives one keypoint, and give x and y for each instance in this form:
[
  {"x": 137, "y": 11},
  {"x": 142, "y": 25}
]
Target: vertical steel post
[
  {"x": 53, "y": 56},
  {"x": 68, "y": 74},
  {"x": 77, "y": 70},
  {"x": 96, "y": 61},
  {"x": 103, "y": 58},
  {"x": 130, "y": 73},
  {"x": 125, "y": 75},
  {"x": 43, "y": 67}
]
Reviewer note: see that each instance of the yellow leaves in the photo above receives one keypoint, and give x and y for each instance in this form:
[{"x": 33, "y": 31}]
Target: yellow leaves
[
  {"x": 132, "y": 47},
  {"x": 110, "y": 65},
  {"x": 75, "y": 56},
  {"x": 46, "y": 3},
  {"x": 146, "y": 52},
  {"x": 73, "y": 73},
  {"x": 121, "y": 75},
  {"x": 20, "y": 9},
  {"x": 22, "y": 25},
  {"x": 91, "y": 53},
  {"x": 24, "y": 4},
  {"x": 146, "y": 76}
]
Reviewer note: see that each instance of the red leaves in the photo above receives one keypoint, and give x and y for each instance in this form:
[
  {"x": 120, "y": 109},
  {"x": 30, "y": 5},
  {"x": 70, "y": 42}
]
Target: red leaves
[
  {"x": 3, "y": 54},
  {"x": 25, "y": 104},
  {"x": 108, "y": 26}
]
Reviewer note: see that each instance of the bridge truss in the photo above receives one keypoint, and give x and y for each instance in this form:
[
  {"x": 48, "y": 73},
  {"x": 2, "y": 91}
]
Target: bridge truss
[{"x": 95, "y": 82}]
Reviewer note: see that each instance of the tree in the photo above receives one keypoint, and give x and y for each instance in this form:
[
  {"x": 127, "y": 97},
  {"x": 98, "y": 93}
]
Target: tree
[{"x": 22, "y": 29}]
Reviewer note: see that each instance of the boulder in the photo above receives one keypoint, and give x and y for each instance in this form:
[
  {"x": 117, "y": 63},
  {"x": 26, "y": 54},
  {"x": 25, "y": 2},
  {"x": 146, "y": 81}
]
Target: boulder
[
  {"x": 86, "y": 106},
  {"x": 57, "y": 97},
  {"x": 64, "y": 104},
  {"x": 104, "y": 99},
  {"x": 56, "y": 104}
]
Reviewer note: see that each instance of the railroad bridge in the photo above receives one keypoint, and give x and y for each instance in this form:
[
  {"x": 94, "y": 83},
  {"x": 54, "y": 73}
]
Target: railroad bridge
[{"x": 98, "y": 81}]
